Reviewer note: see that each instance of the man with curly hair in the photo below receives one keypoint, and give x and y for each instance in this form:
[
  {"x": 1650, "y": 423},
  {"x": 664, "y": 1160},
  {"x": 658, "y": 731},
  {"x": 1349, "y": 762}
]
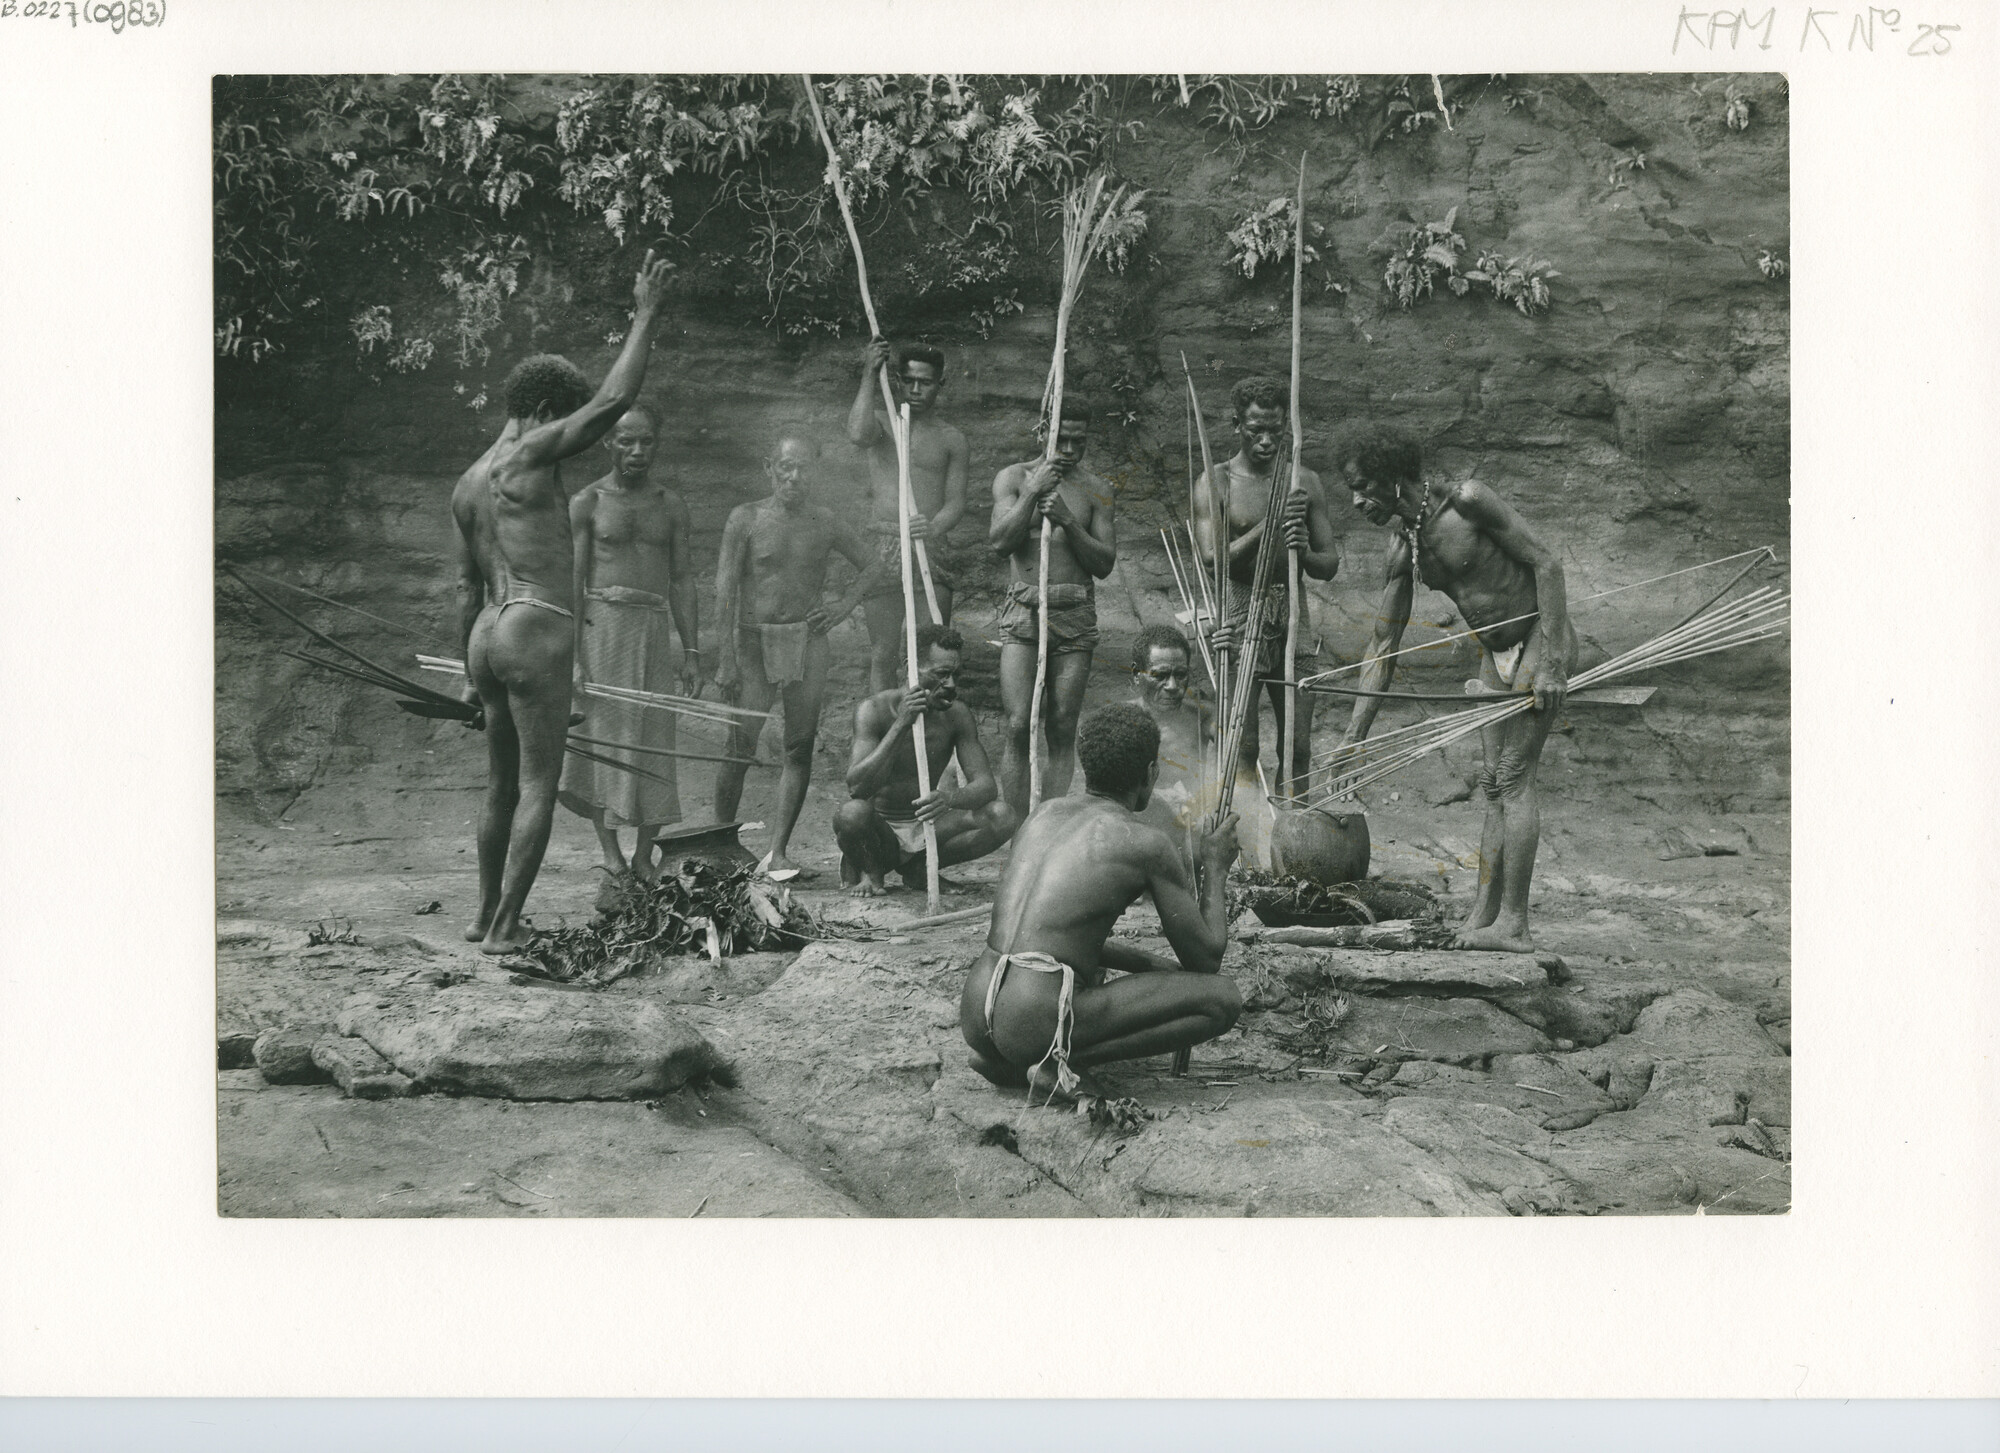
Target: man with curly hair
[
  {"x": 1236, "y": 494},
  {"x": 1037, "y": 1009},
  {"x": 519, "y": 605},
  {"x": 1464, "y": 540},
  {"x": 938, "y": 462}
]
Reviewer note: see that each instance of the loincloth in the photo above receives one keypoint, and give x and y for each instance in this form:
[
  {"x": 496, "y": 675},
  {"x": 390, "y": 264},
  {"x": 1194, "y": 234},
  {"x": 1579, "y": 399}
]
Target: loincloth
[
  {"x": 1506, "y": 664},
  {"x": 512, "y": 599},
  {"x": 628, "y": 640},
  {"x": 889, "y": 565},
  {"x": 1041, "y": 963},
  {"x": 1072, "y": 617},
  {"x": 909, "y": 833},
  {"x": 783, "y": 648},
  {"x": 1271, "y": 646}
]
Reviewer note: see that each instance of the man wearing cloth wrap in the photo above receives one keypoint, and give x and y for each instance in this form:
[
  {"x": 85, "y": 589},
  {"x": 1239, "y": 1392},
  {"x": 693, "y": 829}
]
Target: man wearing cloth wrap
[
  {"x": 1082, "y": 550},
  {"x": 772, "y": 622},
  {"x": 1244, "y": 485},
  {"x": 1037, "y": 1009},
  {"x": 631, "y": 549}
]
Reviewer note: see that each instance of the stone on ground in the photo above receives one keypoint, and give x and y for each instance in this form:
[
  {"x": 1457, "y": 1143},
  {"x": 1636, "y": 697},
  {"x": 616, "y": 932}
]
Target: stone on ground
[{"x": 534, "y": 1044}]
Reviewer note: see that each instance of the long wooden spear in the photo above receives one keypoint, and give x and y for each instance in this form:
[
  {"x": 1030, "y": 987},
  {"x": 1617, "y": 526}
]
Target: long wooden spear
[
  {"x": 1287, "y": 776},
  {"x": 839, "y": 186},
  {"x": 899, "y": 428}
]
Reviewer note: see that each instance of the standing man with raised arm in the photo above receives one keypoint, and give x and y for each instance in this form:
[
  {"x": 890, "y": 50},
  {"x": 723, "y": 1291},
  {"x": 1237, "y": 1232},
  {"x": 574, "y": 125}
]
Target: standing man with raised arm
[
  {"x": 1263, "y": 415},
  {"x": 631, "y": 550},
  {"x": 1082, "y": 550},
  {"x": 938, "y": 458},
  {"x": 519, "y": 601},
  {"x": 1466, "y": 541},
  {"x": 772, "y": 620}
]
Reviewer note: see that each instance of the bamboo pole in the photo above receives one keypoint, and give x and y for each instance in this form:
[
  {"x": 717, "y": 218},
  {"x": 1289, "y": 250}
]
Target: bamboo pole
[
  {"x": 901, "y": 422},
  {"x": 874, "y": 331},
  {"x": 1285, "y": 769}
]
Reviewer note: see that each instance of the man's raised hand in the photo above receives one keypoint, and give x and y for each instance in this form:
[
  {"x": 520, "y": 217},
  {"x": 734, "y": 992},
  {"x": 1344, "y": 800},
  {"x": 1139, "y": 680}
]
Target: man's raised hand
[
  {"x": 878, "y": 356},
  {"x": 649, "y": 293},
  {"x": 916, "y": 701}
]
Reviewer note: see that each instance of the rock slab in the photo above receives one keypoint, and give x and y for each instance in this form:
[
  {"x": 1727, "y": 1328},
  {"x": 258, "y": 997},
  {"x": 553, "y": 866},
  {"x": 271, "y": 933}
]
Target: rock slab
[
  {"x": 533, "y": 1044},
  {"x": 361, "y": 1073},
  {"x": 286, "y": 1056}
]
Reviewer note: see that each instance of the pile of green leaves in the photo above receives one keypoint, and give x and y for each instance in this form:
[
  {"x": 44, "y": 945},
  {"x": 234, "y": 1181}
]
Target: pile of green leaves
[{"x": 703, "y": 909}]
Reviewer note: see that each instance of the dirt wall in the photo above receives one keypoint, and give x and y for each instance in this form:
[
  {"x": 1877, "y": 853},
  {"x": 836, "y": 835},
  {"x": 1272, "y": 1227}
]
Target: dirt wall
[{"x": 1641, "y": 424}]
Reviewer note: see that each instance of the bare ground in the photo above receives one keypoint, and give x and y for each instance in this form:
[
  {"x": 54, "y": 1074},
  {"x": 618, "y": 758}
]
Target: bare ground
[{"x": 1655, "y": 1080}]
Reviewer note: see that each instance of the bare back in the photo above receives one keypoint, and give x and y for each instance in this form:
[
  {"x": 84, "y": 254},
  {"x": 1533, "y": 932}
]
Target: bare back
[
  {"x": 1077, "y": 863},
  {"x": 514, "y": 516}
]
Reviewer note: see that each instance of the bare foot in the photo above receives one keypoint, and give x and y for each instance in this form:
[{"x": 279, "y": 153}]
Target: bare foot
[
  {"x": 1043, "y": 1090},
  {"x": 917, "y": 875},
  {"x": 1498, "y": 937},
  {"x": 1004, "y": 1073},
  {"x": 781, "y": 869},
  {"x": 849, "y": 874},
  {"x": 499, "y": 947},
  {"x": 870, "y": 886},
  {"x": 479, "y": 926}
]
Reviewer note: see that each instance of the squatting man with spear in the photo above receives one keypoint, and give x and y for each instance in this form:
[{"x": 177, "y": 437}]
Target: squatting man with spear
[
  {"x": 881, "y": 828},
  {"x": 1467, "y": 542},
  {"x": 520, "y": 608}
]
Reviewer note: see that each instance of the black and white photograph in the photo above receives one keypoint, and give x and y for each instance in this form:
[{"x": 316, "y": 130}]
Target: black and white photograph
[{"x": 990, "y": 645}]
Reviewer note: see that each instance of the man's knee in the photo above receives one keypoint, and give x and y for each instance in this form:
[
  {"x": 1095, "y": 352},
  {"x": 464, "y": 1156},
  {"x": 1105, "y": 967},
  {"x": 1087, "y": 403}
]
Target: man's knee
[
  {"x": 1488, "y": 782},
  {"x": 1226, "y": 1004},
  {"x": 799, "y": 751},
  {"x": 1512, "y": 777},
  {"x": 1018, "y": 722},
  {"x": 1001, "y": 819},
  {"x": 854, "y": 818}
]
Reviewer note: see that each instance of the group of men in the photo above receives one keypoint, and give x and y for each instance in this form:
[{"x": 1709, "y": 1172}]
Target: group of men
[{"x": 559, "y": 590}]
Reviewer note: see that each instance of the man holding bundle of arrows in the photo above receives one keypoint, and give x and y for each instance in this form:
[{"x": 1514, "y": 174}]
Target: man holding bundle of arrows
[
  {"x": 1466, "y": 541},
  {"x": 1238, "y": 493}
]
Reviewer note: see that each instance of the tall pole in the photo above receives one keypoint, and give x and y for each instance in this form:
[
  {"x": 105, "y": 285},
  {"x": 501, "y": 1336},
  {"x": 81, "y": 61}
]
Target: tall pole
[
  {"x": 874, "y": 331},
  {"x": 901, "y": 422},
  {"x": 1289, "y": 785}
]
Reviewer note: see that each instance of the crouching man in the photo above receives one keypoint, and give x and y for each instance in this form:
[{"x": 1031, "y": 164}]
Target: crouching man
[
  {"x": 1036, "y": 1009},
  {"x": 881, "y": 828}
]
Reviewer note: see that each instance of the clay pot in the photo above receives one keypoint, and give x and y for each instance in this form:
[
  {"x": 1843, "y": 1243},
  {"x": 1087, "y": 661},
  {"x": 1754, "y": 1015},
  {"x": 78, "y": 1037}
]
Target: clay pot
[{"x": 1313, "y": 843}]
